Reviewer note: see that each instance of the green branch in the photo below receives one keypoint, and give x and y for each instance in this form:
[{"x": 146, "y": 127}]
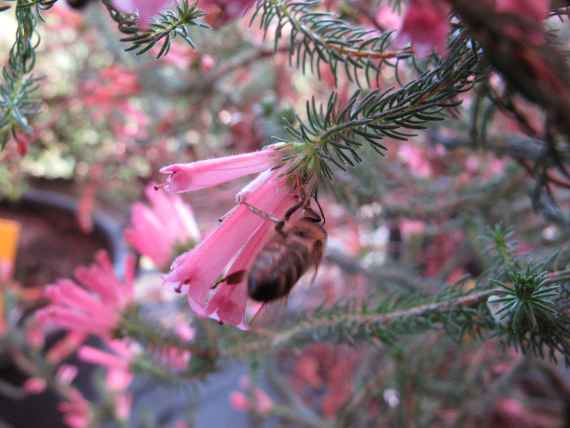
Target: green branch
[
  {"x": 317, "y": 37},
  {"x": 166, "y": 27},
  {"x": 17, "y": 92},
  {"x": 332, "y": 134}
]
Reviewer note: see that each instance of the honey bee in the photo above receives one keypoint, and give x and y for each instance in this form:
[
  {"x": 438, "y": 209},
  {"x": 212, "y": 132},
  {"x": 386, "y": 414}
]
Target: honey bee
[{"x": 286, "y": 257}]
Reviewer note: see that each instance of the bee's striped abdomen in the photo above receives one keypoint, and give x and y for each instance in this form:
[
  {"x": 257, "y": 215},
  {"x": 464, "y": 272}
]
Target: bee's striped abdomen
[{"x": 276, "y": 270}]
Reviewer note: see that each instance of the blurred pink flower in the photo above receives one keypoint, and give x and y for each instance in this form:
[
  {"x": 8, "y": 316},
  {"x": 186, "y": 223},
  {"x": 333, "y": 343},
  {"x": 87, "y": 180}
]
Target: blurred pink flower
[
  {"x": 175, "y": 357},
  {"x": 187, "y": 177},
  {"x": 156, "y": 230},
  {"x": 416, "y": 158},
  {"x": 412, "y": 227},
  {"x": 117, "y": 361},
  {"x": 94, "y": 307},
  {"x": 426, "y": 25},
  {"x": 75, "y": 409},
  {"x": 388, "y": 18},
  {"x": 34, "y": 385},
  {"x": 229, "y": 302},
  {"x": 146, "y": 9},
  {"x": 64, "y": 376},
  {"x": 260, "y": 402},
  {"x": 65, "y": 346},
  {"x": 109, "y": 90},
  {"x": 536, "y": 10},
  {"x": 221, "y": 12}
]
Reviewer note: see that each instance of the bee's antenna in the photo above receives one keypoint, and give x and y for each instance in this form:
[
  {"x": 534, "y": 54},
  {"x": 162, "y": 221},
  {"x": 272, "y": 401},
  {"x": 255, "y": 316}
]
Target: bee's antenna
[{"x": 316, "y": 197}]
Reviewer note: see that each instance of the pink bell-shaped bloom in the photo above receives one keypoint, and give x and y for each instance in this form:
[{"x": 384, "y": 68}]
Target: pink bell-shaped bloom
[
  {"x": 202, "y": 266},
  {"x": 229, "y": 302},
  {"x": 95, "y": 307},
  {"x": 233, "y": 246},
  {"x": 187, "y": 177},
  {"x": 426, "y": 25},
  {"x": 146, "y": 9},
  {"x": 156, "y": 230}
]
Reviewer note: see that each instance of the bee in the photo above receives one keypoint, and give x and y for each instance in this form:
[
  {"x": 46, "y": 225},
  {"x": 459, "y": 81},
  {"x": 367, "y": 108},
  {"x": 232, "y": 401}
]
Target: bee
[{"x": 287, "y": 256}]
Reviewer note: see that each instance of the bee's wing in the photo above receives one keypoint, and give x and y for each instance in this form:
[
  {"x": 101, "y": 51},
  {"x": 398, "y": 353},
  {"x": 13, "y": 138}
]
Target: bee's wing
[{"x": 269, "y": 314}]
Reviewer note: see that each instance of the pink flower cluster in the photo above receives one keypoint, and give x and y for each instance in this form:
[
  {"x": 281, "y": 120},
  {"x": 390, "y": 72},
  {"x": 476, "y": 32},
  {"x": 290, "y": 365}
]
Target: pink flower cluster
[
  {"x": 95, "y": 306},
  {"x": 255, "y": 400},
  {"x": 235, "y": 243},
  {"x": 426, "y": 25},
  {"x": 426, "y": 22},
  {"x": 156, "y": 230},
  {"x": 117, "y": 362},
  {"x": 535, "y": 10}
]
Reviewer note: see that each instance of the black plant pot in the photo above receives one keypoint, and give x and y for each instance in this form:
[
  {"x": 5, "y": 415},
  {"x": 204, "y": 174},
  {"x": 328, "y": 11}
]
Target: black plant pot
[{"x": 52, "y": 245}]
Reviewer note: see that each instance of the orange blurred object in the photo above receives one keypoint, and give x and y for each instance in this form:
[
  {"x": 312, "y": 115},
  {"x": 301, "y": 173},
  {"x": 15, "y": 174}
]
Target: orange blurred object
[{"x": 9, "y": 234}]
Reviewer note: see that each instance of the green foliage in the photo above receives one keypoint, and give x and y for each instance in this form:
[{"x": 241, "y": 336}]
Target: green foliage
[
  {"x": 39, "y": 6},
  {"x": 17, "y": 92},
  {"x": 529, "y": 305},
  {"x": 172, "y": 23},
  {"x": 529, "y": 313},
  {"x": 316, "y": 37},
  {"x": 332, "y": 134}
]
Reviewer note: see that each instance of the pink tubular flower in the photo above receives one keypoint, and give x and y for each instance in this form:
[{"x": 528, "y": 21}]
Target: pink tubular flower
[
  {"x": 426, "y": 25},
  {"x": 156, "y": 230},
  {"x": 96, "y": 306},
  {"x": 186, "y": 177},
  {"x": 233, "y": 245},
  {"x": 229, "y": 302},
  {"x": 202, "y": 266}
]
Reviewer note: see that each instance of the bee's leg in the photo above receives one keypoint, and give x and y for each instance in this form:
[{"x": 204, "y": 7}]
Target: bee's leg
[
  {"x": 264, "y": 215},
  {"x": 230, "y": 279},
  {"x": 288, "y": 215},
  {"x": 302, "y": 202},
  {"x": 323, "y": 218},
  {"x": 280, "y": 223}
]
